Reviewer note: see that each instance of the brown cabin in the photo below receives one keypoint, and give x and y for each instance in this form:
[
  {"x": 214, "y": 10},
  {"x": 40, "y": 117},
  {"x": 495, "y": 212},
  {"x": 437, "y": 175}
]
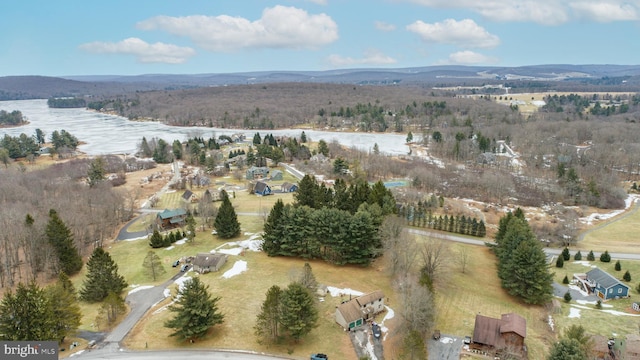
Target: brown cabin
[{"x": 500, "y": 336}]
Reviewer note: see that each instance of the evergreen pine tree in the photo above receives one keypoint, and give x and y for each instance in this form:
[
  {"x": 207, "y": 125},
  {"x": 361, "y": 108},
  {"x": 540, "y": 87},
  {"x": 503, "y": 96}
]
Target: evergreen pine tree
[
  {"x": 567, "y": 296},
  {"x": 102, "y": 277},
  {"x": 156, "y": 240},
  {"x": 195, "y": 311},
  {"x": 560, "y": 261},
  {"x": 191, "y": 229},
  {"x": 565, "y": 280},
  {"x": 226, "y": 222},
  {"x": 152, "y": 265},
  {"x": 27, "y": 314},
  {"x": 274, "y": 232},
  {"x": 618, "y": 266},
  {"x": 566, "y": 254},
  {"x": 605, "y": 257},
  {"x": 307, "y": 279},
  {"x": 60, "y": 237},
  {"x": 591, "y": 256},
  {"x": 482, "y": 231},
  {"x": 306, "y": 193},
  {"x": 65, "y": 307},
  {"x": 96, "y": 171},
  {"x": 267, "y": 325},
  {"x": 577, "y": 256},
  {"x": 299, "y": 314},
  {"x": 627, "y": 276},
  {"x": 112, "y": 307},
  {"x": 566, "y": 349}
]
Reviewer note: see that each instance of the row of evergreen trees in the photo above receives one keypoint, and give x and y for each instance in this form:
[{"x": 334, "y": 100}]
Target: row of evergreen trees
[
  {"x": 330, "y": 234},
  {"x": 158, "y": 240},
  {"x": 338, "y": 225},
  {"x": 416, "y": 216}
]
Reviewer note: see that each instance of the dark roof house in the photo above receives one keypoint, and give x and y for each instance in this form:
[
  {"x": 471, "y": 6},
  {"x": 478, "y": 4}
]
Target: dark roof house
[
  {"x": 502, "y": 335},
  {"x": 262, "y": 188},
  {"x": 189, "y": 196}
]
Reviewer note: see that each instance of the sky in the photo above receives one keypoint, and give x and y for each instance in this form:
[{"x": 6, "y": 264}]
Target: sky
[{"x": 134, "y": 37}]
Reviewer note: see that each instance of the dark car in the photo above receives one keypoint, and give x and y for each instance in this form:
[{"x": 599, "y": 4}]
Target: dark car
[
  {"x": 176, "y": 263},
  {"x": 376, "y": 331}
]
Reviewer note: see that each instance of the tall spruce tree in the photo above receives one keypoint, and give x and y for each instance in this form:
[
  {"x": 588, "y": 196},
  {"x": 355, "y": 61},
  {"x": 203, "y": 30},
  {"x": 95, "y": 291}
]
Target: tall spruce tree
[
  {"x": 60, "y": 237},
  {"x": 522, "y": 264},
  {"x": 299, "y": 314},
  {"x": 102, "y": 277},
  {"x": 274, "y": 231},
  {"x": 307, "y": 192},
  {"x": 195, "y": 311},
  {"x": 27, "y": 314},
  {"x": 226, "y": 222},
  {"x": 268, "y": 325},
  {"x": 64, "y": 304}
]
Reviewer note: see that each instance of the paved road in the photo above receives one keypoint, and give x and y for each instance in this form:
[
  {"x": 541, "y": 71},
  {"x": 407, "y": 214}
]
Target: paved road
[{"x": 174, "y": 355}]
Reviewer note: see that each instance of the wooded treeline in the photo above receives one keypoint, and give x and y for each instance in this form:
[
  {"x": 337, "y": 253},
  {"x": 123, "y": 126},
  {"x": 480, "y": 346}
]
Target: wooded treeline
[
  {"x": 91, "y": 214},
  {"x": 338, "y": 225},
  {"x": 11, "y": 118}
]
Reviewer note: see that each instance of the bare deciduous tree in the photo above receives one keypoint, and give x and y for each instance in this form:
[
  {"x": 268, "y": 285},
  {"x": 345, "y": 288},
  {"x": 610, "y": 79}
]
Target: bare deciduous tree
[{"x": 435, "y": 257}]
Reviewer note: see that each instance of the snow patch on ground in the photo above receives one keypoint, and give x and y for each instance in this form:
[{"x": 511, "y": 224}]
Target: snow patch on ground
[
  {"x": 138, "y": 238},
  {"x": 584, "y": 263},
  {"x": 239, "y": 267},
  {"x": 335, "y": 292},
  {"x": 446, "y": 340},
  {"x": 389, "y": 315},
  {"x": 166, "y": 293},
  {"x": 234, "y": 251},
  {"x": 137, "y": 288},
  {"x": 170, "y": 247},
  {"x": 585, "y": 302},
  {"x": 370, "y": 351},
  {"x": 181, "y": 241},
  {"x": 551, "y": 323},
  {"x": 253, "y": 243},
  {"x": 627, "y": 204},
  {"x": 612, "y": 312},
  {"x": 574, "y": 312}
]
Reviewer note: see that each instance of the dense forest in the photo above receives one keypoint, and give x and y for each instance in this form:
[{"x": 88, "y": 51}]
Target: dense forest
[
  {"x": 66, "y": 102},
  {"x": 11, "y": 118}
]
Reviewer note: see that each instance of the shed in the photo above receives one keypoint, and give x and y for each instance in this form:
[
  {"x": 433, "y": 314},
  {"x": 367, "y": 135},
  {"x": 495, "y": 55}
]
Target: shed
[
  {"x": 205, "y": 262},
  {"x": 288, "y": 187},
  {"x": 498, "y": 335},
  {"x": 262, "y": 188},
  {"x": 276, "y": 175},
  {"x": 189, "y": 197}
]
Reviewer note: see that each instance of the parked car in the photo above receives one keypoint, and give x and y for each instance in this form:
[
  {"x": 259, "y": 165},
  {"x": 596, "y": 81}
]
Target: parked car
[
  {"x": 319, "y": 357},
  {"x": 467, "y": 340},
  {"x": 176, "y": 263},
  {"x": 436, "y": 335},
  {"x": 375, "y": 328},
  {"x": 184, "y": 268}
]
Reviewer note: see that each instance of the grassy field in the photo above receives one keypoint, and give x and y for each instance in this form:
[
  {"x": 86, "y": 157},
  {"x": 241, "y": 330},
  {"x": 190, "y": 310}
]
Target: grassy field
[{"x": 617, "y": 235}]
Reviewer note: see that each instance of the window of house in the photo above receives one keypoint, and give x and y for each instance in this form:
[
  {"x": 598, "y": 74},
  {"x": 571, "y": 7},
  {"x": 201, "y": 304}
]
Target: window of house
[
  {"x": 610, "y": 291},
  {"x": 619, "y": 290}
]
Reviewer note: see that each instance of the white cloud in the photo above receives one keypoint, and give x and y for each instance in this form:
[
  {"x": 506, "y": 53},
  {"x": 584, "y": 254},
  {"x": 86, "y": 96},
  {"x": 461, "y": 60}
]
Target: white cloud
[
  {"x": 606, "y": 11},
  {"x": 383, "y": 26},
  {"x": 319, "y": 2},
  {"x": 279, "y": 27},
  {"x": 467, "y": 57},
  {"x": 464, "y": 33},
  {"x": 143, "y": 51},
  {"x": 546, "y": 12},
  {"x": 371, "y": 57}
]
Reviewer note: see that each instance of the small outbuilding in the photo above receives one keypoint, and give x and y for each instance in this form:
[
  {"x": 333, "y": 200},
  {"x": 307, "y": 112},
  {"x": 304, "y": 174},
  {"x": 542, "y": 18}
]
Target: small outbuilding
[
  {"x": 206, "y": 262},
  {"x": 189, "y": 197},
  {"x": 276, "y": 175}
]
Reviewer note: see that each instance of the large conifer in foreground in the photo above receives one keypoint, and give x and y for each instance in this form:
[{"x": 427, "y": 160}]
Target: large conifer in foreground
[
  {"x": 102, "y": 277},
  {"x": 195, "y": 311},
  {"x": 298, "y": 312},
  {"x": 60, "y": 237},
  {"x": 226, "y": 222},
  {"x": 27, "y": 314}
]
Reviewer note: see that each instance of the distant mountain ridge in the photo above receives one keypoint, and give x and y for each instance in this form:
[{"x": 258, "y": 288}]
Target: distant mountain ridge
[{"x": 29, "y": 87}]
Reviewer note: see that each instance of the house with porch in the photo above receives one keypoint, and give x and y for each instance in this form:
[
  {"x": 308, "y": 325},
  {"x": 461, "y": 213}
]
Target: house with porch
[
  {"x": 288, "y": 187},
  {"x": 169, "y": 219},
  {"x": 356, "y": 312},
  {"x": 262, "y": 188},
  {"x": 600, "y": 283}
]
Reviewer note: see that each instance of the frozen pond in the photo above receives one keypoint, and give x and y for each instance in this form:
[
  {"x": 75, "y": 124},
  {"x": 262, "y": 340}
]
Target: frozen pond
[{"x": 110, "y": 134}]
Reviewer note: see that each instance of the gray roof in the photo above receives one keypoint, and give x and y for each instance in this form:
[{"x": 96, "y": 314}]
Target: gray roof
[
  {"x": 187, "y": 194},
  {"x": 604, "y": 279},
  {"x": 260, "y": 186}
]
